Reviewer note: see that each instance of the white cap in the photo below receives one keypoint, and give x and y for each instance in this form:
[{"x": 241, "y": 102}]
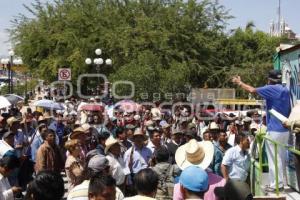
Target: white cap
[{"x": 137, "y": 117}]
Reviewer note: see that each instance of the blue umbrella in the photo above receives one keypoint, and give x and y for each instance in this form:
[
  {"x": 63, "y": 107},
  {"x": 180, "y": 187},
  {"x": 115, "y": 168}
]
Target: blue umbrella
[{"x": 48, "y": 104}]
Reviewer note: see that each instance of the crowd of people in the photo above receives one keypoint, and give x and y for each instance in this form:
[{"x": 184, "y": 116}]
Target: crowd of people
[{"x": 137, "y": 154}]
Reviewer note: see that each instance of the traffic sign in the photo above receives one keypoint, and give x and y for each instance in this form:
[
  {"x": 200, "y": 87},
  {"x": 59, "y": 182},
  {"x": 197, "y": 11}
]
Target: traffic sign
[{"x": 64, "y": 74}]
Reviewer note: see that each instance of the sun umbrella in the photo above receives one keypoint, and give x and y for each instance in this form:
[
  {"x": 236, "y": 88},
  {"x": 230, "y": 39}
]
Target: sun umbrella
[
  {"x": 13, "y": 98},
  {"x": 4, "y": 103},
  {"x": 48, "y": 104},
  {"x": 80, "y": 105},
  {"x": 92, "y": 107},
  {"x": 127, "y": 106}
]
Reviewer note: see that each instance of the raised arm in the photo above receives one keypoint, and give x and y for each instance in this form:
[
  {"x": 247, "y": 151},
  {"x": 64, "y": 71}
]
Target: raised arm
[{"x": 237, "y": 80}]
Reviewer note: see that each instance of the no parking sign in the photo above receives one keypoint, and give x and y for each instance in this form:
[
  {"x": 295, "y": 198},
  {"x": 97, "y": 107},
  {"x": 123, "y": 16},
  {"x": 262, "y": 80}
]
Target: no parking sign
[{"x": 64, "y": 74}]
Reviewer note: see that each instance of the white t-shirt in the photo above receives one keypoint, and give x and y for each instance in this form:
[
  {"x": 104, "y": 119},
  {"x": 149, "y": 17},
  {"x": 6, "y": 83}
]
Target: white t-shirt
[
  {"x": 4, "y": 147},
  {"x": 6, "y": 192}
]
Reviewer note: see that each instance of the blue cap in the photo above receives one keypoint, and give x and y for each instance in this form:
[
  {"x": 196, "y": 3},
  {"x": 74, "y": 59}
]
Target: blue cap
[{"x": 194, "y": 178}]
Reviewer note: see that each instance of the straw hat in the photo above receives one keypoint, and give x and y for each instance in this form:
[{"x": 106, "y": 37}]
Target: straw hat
[
  {"x": 247, "y": 120},
  {"x": 213, "y": 126},
  {"x": 76, "y": 132},
  {"x": 195, "y": 153},
  {"x": 239, "y": 122},
  {"x": 156, "y": 114},
  {"x": 176, "y": 131},
  {"x": 137, "y": 117},
  {"x": 191, "y": 125},
  {"x": 138, "y": 132},
  {"x": 109, "y": 143},
  {"x": 12, "y": 120},
  {"x": 41, "y": 118},
  {"x": 47, "y": 115},
  {"x": 254, "y": 126}
]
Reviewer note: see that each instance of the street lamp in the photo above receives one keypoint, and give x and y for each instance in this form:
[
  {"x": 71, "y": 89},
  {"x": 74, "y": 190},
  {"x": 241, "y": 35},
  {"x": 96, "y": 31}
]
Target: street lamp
[
  {"x": 98, "y": 61},
  {"x": 9, "y": 62}
]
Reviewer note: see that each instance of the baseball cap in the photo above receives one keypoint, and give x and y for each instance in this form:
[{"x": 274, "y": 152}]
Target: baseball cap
[
  {"x": 164, "y": 124},
  {"x": 194, "y": 178},
  {"x": 275, "y": 75},
  {"x": 98, "y": 163}
]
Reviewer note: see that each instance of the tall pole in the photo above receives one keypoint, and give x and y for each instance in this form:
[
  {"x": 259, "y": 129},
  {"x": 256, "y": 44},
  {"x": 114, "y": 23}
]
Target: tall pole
[
  {"x": 8, "y": 76},
  {"x": 26, "y": 97},
  {"x": 279, "y": 17},
  {"x": 11, "y": 76},
  {"x": 98, "y": 79}
]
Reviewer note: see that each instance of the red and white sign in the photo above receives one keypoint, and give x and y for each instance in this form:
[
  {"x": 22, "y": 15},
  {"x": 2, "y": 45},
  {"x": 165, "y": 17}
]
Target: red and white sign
[{"x": 64, "y": 74}]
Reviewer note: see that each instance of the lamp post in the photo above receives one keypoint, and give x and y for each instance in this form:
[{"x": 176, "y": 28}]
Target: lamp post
[
  {"x": 9, "y": 62},
  {"x": 5, "y": 62},
  {"x": 98, "y": 61}
]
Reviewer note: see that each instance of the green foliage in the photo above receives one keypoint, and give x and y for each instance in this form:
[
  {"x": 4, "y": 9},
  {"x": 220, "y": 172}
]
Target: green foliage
[
  {"x": 161, "y": 46},
  {"x": 20, "y": 89},
  {"x": 250, "y": 55}
]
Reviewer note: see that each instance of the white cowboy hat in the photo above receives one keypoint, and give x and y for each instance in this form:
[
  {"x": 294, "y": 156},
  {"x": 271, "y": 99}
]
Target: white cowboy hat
[
  {"x": 109, "y": 143},
  {"x": 247, "y": 120},
  {"x": 137, "y": 117},
  {"x": 195, "y": 153},
  {"x": 213, "y": 126},
  {"x": 156, "y": 114}
]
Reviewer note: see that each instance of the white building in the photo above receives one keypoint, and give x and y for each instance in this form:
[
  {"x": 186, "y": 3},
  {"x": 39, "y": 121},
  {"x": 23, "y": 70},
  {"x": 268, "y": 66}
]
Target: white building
[{"x": 281, "y": 29}]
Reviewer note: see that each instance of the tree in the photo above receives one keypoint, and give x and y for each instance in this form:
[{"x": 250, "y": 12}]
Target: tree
[
  {"x": 160, "y": 45},
  {"x": 176, "y": 34}
]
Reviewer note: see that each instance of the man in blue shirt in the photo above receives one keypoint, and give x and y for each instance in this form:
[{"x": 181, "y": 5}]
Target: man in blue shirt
[
  {"x": 277, "y": 97},
  {"x": 236, "y": 161},
  {"x": 138, "y": 156},
  {"x": 37, "y": 141}
]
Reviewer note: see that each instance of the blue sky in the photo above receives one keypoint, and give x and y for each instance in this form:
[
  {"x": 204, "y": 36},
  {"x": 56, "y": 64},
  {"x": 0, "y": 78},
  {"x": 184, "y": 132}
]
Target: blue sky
[{"x": 261, "y": 12}]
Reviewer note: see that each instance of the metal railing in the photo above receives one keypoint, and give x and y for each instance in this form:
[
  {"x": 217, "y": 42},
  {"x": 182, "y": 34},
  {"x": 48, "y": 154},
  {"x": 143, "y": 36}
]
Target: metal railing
[{"x": 260, "y": 138}]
